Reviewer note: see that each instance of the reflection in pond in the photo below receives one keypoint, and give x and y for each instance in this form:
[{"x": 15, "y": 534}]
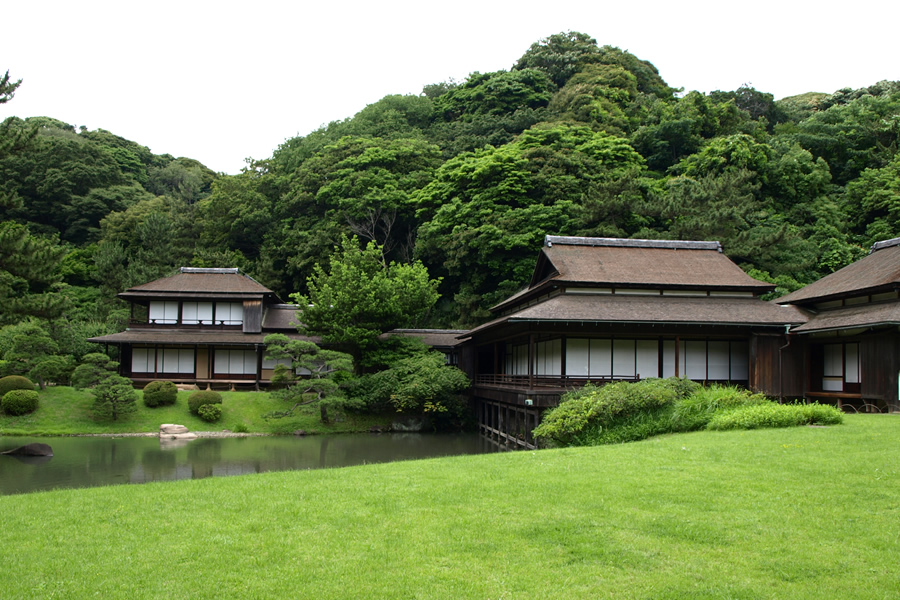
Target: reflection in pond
[{"x": 93, "y": 461}]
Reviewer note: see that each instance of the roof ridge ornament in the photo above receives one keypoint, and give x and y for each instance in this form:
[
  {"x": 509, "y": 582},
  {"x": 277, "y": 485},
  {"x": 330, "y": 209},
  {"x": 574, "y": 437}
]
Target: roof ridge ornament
[
  {"x": 884, "y": 244},
  {"x": 633, "y": 243},
  {"x": 212, "y": 270}
]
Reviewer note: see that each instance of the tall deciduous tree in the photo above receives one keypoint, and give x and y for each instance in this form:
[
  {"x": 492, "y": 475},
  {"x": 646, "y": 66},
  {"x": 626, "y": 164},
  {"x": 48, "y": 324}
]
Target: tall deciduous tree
[{"x": 360, "y": 296}]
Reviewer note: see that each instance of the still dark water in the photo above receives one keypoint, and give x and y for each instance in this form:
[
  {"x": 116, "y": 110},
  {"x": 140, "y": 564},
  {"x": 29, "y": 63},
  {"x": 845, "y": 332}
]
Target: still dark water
[{"x": 93, "y": 461}]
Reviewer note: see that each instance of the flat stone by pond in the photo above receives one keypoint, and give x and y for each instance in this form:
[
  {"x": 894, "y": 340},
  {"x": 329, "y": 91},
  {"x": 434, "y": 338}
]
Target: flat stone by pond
[{"x": 94, "y": 461}]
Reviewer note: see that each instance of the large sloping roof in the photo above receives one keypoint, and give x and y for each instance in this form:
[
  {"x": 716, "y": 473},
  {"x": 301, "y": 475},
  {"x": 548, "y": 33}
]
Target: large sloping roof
[
  {"x": 633, "y": 263},
  {"x": 879, "y": 271},
  {"x": 202, "y": 283},
  {"x": 590, "y": 308}
]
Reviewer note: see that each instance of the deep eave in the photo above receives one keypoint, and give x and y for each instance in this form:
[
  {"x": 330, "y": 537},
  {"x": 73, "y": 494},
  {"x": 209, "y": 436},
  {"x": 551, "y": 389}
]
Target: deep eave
[
  {"x": 655, "y": 310},
  {"x": 182, "y": 337}
]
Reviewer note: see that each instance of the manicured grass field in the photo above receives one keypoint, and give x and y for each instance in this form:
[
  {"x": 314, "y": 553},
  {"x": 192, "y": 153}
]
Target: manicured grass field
[
  {"x": 807, "y": 512},
  {"x": 65, "y": 411}
]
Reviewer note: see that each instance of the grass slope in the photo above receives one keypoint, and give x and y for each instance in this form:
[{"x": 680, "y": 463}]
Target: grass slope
[
  {"x": 789, "y": 513},
  {"x": 64, "y": 411}
]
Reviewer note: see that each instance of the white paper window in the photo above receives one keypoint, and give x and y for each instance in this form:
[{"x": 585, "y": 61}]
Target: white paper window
[
  {"x": 163, "y": 312},
  {"x": 271, "y": 363},
  {"x": 177, "y": 360},
  {"x": 143, "y": 360},
  {"x": 851, "y": 363},
  {"x": 695, "y": 360},
  {"x": 833, "y": 360},
  {"x": 229, "y": 313},
  {"x": 740, "y": 361},
  {"x": 578, "y": 355},
  {"x": 623, "y": 358},
  {"x": 647, "y": 358},
  {"x": 196, "y": 313},
  {"x": 235, "y": 362},
  {"x": 601, "y": 358},
  {"x": 718, "y": 358},
  {"x": 548, "y": 358}
]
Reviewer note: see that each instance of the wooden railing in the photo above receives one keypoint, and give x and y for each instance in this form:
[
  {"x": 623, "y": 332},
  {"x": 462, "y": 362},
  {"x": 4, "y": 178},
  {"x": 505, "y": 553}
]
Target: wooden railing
[
  {"x": 153, "y": 323},
  {"x": 545, "y": 381}
]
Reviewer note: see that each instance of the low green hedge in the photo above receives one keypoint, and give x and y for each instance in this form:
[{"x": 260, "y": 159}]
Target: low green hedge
[
  {"x": 14, "y": 382},
  {"x": 198, "y": 399},
  {"x": 210, "y": 412},
  {"x": 160, "y": 393},
  {"x": 776, "y": 415},
  {"x": 19, "y": 402}
]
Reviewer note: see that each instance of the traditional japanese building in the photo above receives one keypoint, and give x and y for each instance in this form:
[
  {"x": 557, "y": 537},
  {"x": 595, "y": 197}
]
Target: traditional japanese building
[
  {"x": 605, "y": 309},
  {"x": 850, "y": 344},
  {"x": 203, "y": 326}
]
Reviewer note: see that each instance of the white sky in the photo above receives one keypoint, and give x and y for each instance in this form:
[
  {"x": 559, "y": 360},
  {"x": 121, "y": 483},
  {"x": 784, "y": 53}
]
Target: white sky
[{"x": 222, "y": 81}]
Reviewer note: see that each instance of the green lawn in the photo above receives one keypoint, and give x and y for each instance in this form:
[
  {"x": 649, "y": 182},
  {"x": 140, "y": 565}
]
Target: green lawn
[
  {"x": 65, "y": 411},
  {"x": 808, "y": 512}
]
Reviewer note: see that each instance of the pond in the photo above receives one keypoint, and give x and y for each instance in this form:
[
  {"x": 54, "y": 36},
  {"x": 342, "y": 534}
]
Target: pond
[{"x": 93, "y": 461}]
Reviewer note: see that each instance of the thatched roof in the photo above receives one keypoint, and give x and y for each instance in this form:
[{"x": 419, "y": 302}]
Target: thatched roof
[
  {"x": 626, "y": 263},
  {"x": 853, "y": 317},
  {"x": 202, "y": 283},
  {"x": 877, "y": 272},
  {"x": 281, "y": 317}
]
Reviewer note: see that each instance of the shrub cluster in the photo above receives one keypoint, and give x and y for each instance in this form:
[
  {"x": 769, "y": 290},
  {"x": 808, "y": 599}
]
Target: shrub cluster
[
  {"x": 617, "y": 412},
  {"x": 695, "y": 411},
  {"x": 776, "y": 415},
  {"x": 201, "y": 398},
  {"x": 210, "y": 412},
  {"x": 160, "y": 393},
  {"x": 14, "y": 382},
  {"x": 624, "y": 412},
  {"x": 19, "y": 402}
]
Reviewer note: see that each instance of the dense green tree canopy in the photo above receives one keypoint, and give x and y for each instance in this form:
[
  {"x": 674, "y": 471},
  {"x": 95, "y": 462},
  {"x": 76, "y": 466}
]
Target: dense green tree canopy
[{"x": 575, "y": 138}]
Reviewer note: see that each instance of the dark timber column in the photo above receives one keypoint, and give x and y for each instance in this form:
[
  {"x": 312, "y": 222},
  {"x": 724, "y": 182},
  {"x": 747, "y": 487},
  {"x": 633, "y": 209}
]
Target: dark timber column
[{"x": 531, "y": 360}]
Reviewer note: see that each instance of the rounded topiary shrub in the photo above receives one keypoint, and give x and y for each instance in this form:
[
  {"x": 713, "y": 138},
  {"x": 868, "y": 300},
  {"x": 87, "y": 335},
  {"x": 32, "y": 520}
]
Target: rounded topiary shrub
[
  {"x": 210, "y": 412},
  {"x": 19, "y": 402},
  {"x": 14, "y": 382},
  {"x": 160, "y": 393},
  {"x": 198, "y": 399}
]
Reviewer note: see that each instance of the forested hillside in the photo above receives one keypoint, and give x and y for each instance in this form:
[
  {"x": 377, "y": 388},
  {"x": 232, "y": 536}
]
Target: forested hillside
[{"x": 574, "y": 139}]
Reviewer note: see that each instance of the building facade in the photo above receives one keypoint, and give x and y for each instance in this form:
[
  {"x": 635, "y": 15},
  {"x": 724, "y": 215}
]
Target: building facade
[
  {"x": 607, "y": 309},
  {"x": 201, "y": 326},
  {"x": 850, "y": 345}
]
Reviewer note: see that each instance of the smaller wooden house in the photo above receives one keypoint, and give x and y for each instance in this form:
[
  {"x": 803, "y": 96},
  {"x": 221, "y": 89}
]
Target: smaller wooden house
[
  {"x": 202, "y": 326},
  {"x": 850, "y": 344}
]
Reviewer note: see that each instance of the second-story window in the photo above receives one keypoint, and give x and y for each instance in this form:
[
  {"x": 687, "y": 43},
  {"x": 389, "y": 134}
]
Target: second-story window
[
  {"x": 163, "y": 312},
  {"x": 230, "y": 313},
  {"x": 197, "y": 313}
]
